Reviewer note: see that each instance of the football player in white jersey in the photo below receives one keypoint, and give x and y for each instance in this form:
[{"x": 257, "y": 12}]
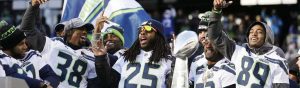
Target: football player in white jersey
[
  {"x": 75, "y": 68},
  {"x": 146, "y": 64},
  {"x": 15, "y": 57},
  {"x": 258, "y": 63},
  {"x": 211, "y": 69}
]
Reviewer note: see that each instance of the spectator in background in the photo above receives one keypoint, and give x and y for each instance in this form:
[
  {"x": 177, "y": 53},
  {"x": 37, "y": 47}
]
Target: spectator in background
[
  {"x": 5, "y": 13},
  {"x": 180, "y": 22},
  {"x": 291, "y": 51},
  {"x": 232, "y": 26},
  {"x": 168, "y": 22},
  {"x": 46, "y": 27},
  {"x": 193, "y": 21},
  {"x": 274, "y": 22},
  {"x": 259, "y": 19},
  {"x": 291, "y": 40},
  {"x": 241, "y": 32}
]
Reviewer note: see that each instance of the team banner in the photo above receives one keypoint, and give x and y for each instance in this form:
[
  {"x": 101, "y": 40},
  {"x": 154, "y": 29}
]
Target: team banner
[{"x": 129, "y": 14}]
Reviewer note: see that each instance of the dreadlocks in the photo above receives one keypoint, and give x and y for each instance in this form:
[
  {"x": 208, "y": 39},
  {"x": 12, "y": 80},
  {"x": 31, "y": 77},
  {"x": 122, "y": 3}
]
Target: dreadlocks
[{"x": 159, "y": 46}]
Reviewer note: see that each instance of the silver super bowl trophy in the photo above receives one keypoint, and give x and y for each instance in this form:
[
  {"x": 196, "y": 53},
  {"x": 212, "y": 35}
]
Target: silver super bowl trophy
[{"x": 186, "y": 43}]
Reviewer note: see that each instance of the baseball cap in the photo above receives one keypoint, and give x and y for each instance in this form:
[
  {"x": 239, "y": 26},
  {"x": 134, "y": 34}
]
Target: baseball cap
[{"x": 77, "y": 23}]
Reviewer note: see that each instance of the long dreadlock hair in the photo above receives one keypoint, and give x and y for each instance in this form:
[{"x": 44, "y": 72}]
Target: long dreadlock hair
[{"x": 161, "y": 50}]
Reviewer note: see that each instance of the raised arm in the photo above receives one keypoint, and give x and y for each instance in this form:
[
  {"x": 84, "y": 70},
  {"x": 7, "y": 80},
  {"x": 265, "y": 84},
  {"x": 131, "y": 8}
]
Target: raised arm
[
  {"x": 107, "y": 76},
  {"x": 215, "y": 31},
  {"x": 35, "y": 39}
]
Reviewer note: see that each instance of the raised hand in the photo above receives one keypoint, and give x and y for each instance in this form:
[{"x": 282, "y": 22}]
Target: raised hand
[
  {"x": 38, "y": 2},
  {"x": 100, "y": 23},
  {"x": 220, "y": 4},
  {"x": 99, "y": 49}
]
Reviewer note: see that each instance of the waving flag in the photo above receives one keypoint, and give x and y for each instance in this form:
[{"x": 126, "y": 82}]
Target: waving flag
[{"x": 129, "y": 14}]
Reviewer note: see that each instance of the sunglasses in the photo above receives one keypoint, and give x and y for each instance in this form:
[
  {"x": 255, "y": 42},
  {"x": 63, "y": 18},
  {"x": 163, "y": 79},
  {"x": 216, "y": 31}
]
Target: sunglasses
[{"x": 147, "y": 28}]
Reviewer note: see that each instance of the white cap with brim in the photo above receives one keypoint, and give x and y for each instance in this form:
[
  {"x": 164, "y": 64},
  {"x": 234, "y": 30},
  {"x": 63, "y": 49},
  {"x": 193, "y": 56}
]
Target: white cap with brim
[{"x": 77, "y": 23}]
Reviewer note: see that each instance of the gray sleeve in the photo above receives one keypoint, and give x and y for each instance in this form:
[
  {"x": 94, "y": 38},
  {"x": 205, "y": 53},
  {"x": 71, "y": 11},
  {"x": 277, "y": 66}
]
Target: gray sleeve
[
  {"x": 219, "y": 38},
  {"x": 34, "y": 38},
  {"x": 280, "y": 52},
  {"x": 280, "y": 85}
]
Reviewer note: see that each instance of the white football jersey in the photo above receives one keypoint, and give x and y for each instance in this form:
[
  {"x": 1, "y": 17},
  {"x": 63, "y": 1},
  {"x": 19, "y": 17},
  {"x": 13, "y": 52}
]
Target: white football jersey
[
  {"x": 256, "y": 71},
  {"x": 11, "y": 63},
  {"x": 32, "y": 63},
  {"x": 222, "y": 74},
  {"x": 73, "y": 67},
  {"x": 119, "y": 53},
  {"x": 140, "y": 74},
  {"x": 2, "y": 72}
]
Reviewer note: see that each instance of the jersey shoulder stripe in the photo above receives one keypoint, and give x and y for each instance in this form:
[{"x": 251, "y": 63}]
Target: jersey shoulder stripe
[
  {"x": 58, "y": 39},
  {"x": 88, "y": 57},
  {"x": 228, "y": 69},
  {"x": 198, "y": 58},
  {"x": 3, "y": 55},
  {"x": 279, "y": 62},
  {"x": 30, "y": 54},
  {"x": 200, "y": 70}
]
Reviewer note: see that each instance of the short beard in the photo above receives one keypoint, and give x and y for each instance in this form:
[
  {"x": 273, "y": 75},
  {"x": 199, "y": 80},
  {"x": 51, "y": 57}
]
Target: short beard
[
  {"x": 216, "y": 57},
  {"x": 150, "y": 44},
  {"x": 113, "y": 50},
  {"x": 16, "y": 55}
]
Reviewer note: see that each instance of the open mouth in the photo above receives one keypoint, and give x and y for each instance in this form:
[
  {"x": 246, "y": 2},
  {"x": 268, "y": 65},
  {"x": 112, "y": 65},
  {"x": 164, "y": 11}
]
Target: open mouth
[
  {"x": 109, "y": 43},
  {"x": 254, "y": 39},
  {"x": 83, "y": 38},
  {"x": 143, "y": 40},
  {"x": 209, "y": 51}
]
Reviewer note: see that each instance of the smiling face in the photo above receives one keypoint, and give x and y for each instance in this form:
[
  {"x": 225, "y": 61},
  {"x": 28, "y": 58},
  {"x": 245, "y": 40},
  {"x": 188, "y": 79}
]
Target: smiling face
[
  {"x": 256, "y": 36},
  {"x": 209, "y": 50},
  {"x": 211, "y": 53},
  {"x": 112, "y": 42},
  {"x": 78, "y": 38},
  {"x": 146, "y": 37},
  {"x": 201, "y": 36}
]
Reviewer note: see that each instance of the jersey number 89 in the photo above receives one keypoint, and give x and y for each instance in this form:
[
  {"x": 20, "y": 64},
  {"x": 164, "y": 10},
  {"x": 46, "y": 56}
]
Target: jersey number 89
[{"x": 244, "y": 75}]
